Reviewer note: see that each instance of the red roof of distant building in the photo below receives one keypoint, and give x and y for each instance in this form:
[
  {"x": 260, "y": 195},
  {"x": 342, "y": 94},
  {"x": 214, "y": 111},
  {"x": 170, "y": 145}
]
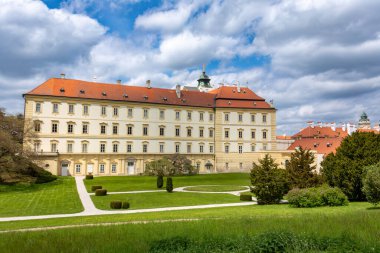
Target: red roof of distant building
[
  {"x": 320, "y": 132},
  {"x": 284, "y": 137},
  {"x": 322, "y": 146},
  {"x": 220, "y": 97}
]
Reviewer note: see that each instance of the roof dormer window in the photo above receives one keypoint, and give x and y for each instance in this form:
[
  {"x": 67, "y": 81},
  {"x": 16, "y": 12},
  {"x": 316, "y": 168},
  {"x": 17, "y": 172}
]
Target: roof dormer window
[
  {"x": 81, "y": 91},
  {"x": 104, "y": 93},
  {"x": 62, "y": 90}
]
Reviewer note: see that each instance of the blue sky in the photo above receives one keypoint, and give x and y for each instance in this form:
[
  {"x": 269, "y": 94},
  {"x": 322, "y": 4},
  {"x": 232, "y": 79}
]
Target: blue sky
[{"x": 315, "y": 62}]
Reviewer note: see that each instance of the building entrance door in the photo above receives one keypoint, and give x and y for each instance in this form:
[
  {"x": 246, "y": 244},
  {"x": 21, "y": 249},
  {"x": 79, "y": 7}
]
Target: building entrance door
[
  {"x": 64, "y": 169},
  {"x": 90, "y": 168},
  {"x": 131, "y": 168}
]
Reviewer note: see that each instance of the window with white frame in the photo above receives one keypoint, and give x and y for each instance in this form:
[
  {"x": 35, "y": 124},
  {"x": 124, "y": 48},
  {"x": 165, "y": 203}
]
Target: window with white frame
[
  {"x": 211, "y": 149},
  {"x": 177, "y": 115},
  {"x": 146, "y": 113},
  {"x": 145, "y": 148},
  {"x": 70, "y": 128},
  {"x": 177, "y": 131},
  {"x": 253, "y": 117},
  {"x": 101, "y": 167},
  {"x": 240, "y": 149},
  {"x": 264, "y": 147},
  {"x": 188, "y": 148},
  {"x": 264, "y": 134},
  {"x": 55, "y": 108},
  {"x": 84, "y": 128},
  {"x": 103, "y": 111},
  {"x": 201, "y": 132},
  {"x": 115, "y": 147},
  {"x": 253, "y": 134},
  {"x": 129, "y": 148},
  {"x": 102, "y": 129},
  {"x": 264, "y": 118},
  {"x": 38, "y": 107},
  {"x": 130, "y": 112},
  {"x": 188, "y": 132},
  {"x": 102, "y": 147},
  {"x": 188, "y": 115},
  {"x": 226, "y": 133},
  {"x": 69, "y": 147},
  {"x": 240, "y": 117},
  {"x": 162, "y": 148},
  {"x": 253, "y": 147},
  {"x": 162, "y": 114},
  {"x": 53, "y": 147},
  {"x": 115, "y": 129},
  {"x": 115, "y": 111},
  {"x": 37, "y": 146},
  {"x": 240, "y": 133},
  {"x": 226, "y": 148},
  {"x": 85, "y": 109},
  {"x": 145, "y": 130},
  {"x": 37, "y": 126},
  {"x": 177, "y": 147},
  {"x": 129, "y": 130},
  {"x": 201, "y": 116},
  {"x": 162, "y": 131},
  {"x": 54, "y": 127},
  {"x": 211, "y": 117},
  {"x": 211, "y": 133},
  {"x": 201, "y": 148},
  {"x": 84, "y": 147},
  {"x": 71, "y": 109},
  {"x": 226, "y": 117},
  {"x": 113, "y": 168},
  {"x": 77, "y": 168}
]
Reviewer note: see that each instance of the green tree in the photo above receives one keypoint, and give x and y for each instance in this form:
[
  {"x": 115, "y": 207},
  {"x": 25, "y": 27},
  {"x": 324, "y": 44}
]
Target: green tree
[
  {"x": 161, "y": 167},
  {"x": 300, "y": 171},
  {"x": 169, "y": 184},
  {"x": 371, "y": 184},
  {"x": 269, "y": 183},
  {"x": 182, "y": 165},
  {"x": 160, "y": 181},
  {"x": 345, "y": 168}
]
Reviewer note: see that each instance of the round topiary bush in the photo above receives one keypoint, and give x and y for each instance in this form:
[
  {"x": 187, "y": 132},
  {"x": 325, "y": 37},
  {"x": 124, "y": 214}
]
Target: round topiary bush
[
  {"x": 245, "y": 197},
  {"x": 89, "y": 176},
  {"x": 100, "y": 192},
  {"x": 95, "y": 187},
  {"x": 125, "y": 205},
  {"x": 116, "y": 204}
]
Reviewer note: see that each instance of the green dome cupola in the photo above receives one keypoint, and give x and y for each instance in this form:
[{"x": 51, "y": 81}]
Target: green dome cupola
[{"x": 204, "y": 80}]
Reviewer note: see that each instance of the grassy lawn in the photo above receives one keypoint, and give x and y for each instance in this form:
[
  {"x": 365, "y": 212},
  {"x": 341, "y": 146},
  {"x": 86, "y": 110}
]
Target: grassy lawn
[
  {"x": 216, "y": 188},
  {"x": 163, "y": 199},
  {"x": 135, "y": 183},
  {"x": 354, "y": 224},
  {"x": 56, "y": 197}
]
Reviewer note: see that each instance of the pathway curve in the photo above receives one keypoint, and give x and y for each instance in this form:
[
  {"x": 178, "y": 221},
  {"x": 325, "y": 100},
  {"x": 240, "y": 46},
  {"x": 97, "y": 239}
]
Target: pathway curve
[
  {"x": 87, "y": 203},
  {"x": 236, "y": 193}
]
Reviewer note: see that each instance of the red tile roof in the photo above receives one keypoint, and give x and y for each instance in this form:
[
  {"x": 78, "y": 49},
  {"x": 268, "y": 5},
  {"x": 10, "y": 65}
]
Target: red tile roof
[
  {"x": 322, "y": 146},
  {"x": 320, "y": 132},
  {"x": 59, "y": 87},
  {"x": 284, "y": 137}
]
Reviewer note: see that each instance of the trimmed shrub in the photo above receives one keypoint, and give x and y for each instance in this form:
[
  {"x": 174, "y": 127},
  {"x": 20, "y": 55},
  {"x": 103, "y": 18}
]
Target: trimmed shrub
[
  {"x": 333, "y": 197},
  {"x": 160, "y": 181},
  {"x": 169, "y": 184},
  {"x": 95, "y": 187},
  {"x": 100, "y": 192},
  {"x": 125, "y": 205},
  {"x": 245, "y": 197},
  {"x": 89, "y": 176},
  {"x": 116, "y": 204}
]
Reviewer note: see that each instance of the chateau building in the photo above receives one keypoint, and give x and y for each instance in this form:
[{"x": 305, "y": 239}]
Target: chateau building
[{"x": 114, "y": 129}]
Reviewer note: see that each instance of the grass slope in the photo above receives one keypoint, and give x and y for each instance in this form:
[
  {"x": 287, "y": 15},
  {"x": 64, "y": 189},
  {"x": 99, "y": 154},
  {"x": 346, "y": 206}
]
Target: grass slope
[
  {"x": 163, "y": 199},
  {"x": 136, "y": 183},
  {"x": 56, "y": 197}
]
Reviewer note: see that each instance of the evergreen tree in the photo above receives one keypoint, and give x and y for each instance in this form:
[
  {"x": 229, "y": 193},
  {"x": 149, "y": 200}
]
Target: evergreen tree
[
  {"x": 269, "y": 183},
  {"x": 160, "y": 181},
  {"x": 300, "y": 171},
  {"x": 345, "y": 168},
  {"x": 169, "y": 184}
]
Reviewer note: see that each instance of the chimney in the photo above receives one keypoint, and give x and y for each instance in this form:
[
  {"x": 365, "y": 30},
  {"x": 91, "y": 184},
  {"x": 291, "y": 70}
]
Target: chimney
[
  {"x": 319, "y": 124},
  {"x": 63, "y": 75},
  {"x": 333, "y": 126},
  {"x": 148, "y": 84},
  {"x": 178, "y": 90},
  {"x": 310, "y": 124},
  {"x": 238, "y": 86},
  {"x": 118, "y": 81},
  {"x": 344, "y": 127}
]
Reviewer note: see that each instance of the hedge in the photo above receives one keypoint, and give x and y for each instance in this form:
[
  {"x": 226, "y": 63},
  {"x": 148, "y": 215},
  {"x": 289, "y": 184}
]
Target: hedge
[
  {"x": 116, "y": 204},
  {"x": 95, "y": 187},
  {"x": 245, "y": 197},
  {"x": 100, "y": 192},
  {"x": 89, "y": 176},
  {"x": 125, "y": 205}
]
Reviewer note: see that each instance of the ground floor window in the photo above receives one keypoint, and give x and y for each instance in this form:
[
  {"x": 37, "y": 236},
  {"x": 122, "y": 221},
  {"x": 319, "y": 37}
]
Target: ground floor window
[
  {"x": 226, "y": 166},
  {"x": 77, "y": 168},
  {"x": 113, "y": 168},
  {"x": 101, "y": 168}
]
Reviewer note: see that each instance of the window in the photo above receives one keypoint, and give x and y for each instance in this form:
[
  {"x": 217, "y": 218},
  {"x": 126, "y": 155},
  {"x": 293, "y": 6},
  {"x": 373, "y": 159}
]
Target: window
[
  {"x": 162, "y": 114},
  {"x": 253, "y": 117},
  {"x": 69, "y": 147},
  {"x": 226, "y": 166},
  {"x": 115, "y": 111},
  {"x": 253, "y": 134},
  {"x": 102, "y": 147},
  {"x": 264, "y": 147},
  {"x": 189, "y": 132},
  {"x": 201, "y": 148},
  {"x": 177, "y": 148},
  {"x": 188, "y": 148},
  {"x": 240, "y": 149},
  {"x": 240, "y": 117},
  {"x": 226, "y": 117},
  {"x": 145, "y": 130},
  {"x": 211, "y": 117},
  {"x": 85, "y": 109},
  {"x": 253, "y": 147},
  {"x": 54, "y": 127},
  {"x": 177, "y": 131},
  {"x": 84, "y": 147},
  {"x": 70, "y": 128},
  {"x": 84, "y": 128},
  {"x": 211, "y": 133},
  {"x": 129, "y": 130},
  {"x": 37, "y": 146},
  {"x": 226, "y": 134},
  {"x": 114, "y": 129},
  {"x": 162, "y": 131},
  {"x": 37, "y": 127},
  {"x": 129, "y": 148},
  {"x": 146, "y": 113},
  {"x": 264, "y": 118},
  {"x": 201, "y": 132},
  {"x": 130, "y": 112},
  {"x": 102, "y": 129},
  {"x": 145, "y": 148},
  {"x": 77, "y": 168},
  {"x": 240, "y": 166},
  {"x": 177, "y": 115},
  {"x": 198, "y": 165},
  {"x": 113, "y": 168},
  {"x": 226, "y": 148},
  {"x": 240, "y": 133},
  {"x": 71, "y": 109},
  {"x": 115, "y": 148},
  {"x": 161, "y": 148},
  {"x": 211, "y": 149},
  {"x": 38, "y": 107},
  {"x": 264, "y": 134},
  {"x": 101, "y": 168},
  {"x": 201, "y": 116},
  {"x": 55, "y": 108},
  {"x": 188, "y": 115},
  {"x": 53, "y": 147},
  {"x": 104, "y": 111}
]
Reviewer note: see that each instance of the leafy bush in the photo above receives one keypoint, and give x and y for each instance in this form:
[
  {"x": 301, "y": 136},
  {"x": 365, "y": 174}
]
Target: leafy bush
[
  {"x": 160, "y": 181},
  {"x": 371, "y": 182},
  {"x": 89, "y": 176},
  {"x": 116, "y": 204},
  {"x": 169, "y": 184},
  {"x": 314, "y": 197},
  {"x": 100, "y": 192},
  {"x": 44, "y": 176},
  {"x": 95, "y": 187},
  {"x": 245, "y": 197},
  {"x": 125, "y": 205}
]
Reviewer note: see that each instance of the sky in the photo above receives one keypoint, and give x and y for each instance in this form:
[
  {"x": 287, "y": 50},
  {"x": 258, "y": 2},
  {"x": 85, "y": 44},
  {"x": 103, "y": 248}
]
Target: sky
[{"x": 318, "y": 60}]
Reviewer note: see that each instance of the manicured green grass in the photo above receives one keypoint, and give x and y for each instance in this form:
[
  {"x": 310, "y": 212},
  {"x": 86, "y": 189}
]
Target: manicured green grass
[
  {"x": 352, "y": 223},
  {"x": 56, "y": 197},
  {"x": 135, "y": 183},
  {"x": 163, "y": 199},
  {"x": 216, "y": 188}
]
